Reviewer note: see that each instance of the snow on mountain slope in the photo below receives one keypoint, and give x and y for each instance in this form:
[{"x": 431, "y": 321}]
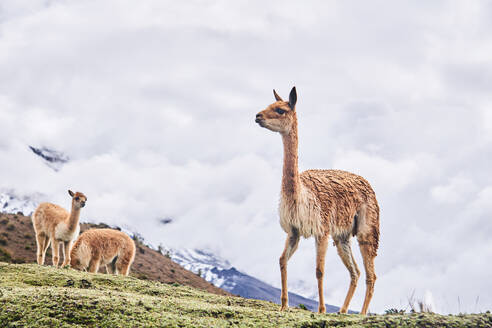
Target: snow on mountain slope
[
  {"x": 13, "y": 202},
  {"x": 54, "y": 159},
  {"x": 203, "y": 263}
]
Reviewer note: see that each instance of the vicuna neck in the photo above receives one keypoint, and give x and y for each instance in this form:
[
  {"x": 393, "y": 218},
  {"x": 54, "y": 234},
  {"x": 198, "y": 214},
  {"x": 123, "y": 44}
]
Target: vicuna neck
[
  {"x": 290, "y": 178},
  {"x": 73, "y": 219}
]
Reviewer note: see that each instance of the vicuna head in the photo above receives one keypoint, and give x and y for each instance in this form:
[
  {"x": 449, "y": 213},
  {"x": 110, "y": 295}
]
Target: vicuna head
[
  {"x": 80, "y": 255},
  {"x": 76, "y": 258},
  {"x": 281, "y": 115},
  {"x": 78, "y": 199},
  {"x": 75, "y": 262}
]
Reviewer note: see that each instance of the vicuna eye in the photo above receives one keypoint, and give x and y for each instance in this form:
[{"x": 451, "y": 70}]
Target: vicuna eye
[
  {"x": 77, "y": 198},
  {"x": 280, "y": 111}
]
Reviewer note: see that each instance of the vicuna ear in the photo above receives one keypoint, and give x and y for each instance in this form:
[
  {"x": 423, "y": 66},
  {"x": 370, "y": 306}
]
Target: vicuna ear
[
  {"x": 277, "y": 96},
  {"x": 293, "y": 98},
  {"x": 70, "y": 193}
]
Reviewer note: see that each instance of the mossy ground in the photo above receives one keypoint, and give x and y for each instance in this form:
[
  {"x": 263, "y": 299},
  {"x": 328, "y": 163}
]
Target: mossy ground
[{"x": 34, "y": 296}]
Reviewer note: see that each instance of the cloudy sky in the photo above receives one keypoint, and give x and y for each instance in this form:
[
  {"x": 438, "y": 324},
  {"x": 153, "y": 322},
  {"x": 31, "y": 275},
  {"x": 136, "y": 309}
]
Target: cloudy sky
[{"x": 154, "y": 103}]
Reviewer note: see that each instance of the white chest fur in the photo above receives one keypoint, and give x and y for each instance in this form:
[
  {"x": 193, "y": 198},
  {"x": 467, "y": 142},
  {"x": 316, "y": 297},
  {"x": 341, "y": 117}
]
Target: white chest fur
[
  {"x": 62, "y": 233},
  {"x": 304, "y": 214}
]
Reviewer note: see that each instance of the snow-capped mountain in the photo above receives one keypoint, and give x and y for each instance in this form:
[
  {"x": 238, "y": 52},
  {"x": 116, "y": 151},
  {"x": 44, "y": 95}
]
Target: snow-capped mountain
[
  {"x": 13, "y": 202},
  {"x": 202, "y": 263},
  {"x": 53, "y": 158}
]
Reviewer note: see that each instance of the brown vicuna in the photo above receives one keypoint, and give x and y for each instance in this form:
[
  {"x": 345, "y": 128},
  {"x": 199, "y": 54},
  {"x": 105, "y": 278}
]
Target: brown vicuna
[
  {"x": 112, "y": 248},
  {"x": 53, "y": 224},
  {"x": 321, "y": 203}
]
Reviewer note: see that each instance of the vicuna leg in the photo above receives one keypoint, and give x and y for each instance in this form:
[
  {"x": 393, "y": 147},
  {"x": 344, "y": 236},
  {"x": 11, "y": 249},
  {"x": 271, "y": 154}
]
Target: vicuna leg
[
  {"x": 94, "y": 263},
  {"x": 109, "y": 270},
  {"x": 321, "y": 246},
  {"x": 290, "y": 247},
  {"x": 368, "y": 255},
  {"x": 123, "y": 265},
  {"x": 55, "y": 249},
  {"x": 66, "y": 252},
  {"x": 42, "y": 242},
  {"x": 111, "y": 267},
  {"x": 345, "y": 252},
  {"x": 47, "y": 242}
]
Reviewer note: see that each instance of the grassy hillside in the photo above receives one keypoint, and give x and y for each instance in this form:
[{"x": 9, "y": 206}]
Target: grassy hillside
[
  {"x": 36, "y": 296},
  {"x": 18, "y": 245}
]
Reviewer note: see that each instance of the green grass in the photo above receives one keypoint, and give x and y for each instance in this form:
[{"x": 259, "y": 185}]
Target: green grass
[{"x": 34, "y": 296}]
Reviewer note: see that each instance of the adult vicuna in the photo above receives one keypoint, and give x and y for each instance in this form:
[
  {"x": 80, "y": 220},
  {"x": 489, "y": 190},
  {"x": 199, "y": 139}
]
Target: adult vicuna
[
  {"x": 321, "y": 203},
  {"x": 53, "y": 224}
]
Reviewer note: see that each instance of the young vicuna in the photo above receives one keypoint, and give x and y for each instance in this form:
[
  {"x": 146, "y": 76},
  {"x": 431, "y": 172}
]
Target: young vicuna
[
  {"x": 109, "y": 247},
  {"x": 321, "y": 203},
  {"x": 53, "y": 224}
]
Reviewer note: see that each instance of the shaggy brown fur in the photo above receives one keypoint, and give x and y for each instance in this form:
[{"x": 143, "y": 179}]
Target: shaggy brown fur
[
  {"x": 112, "y": 248},
  {"x": 53, "y": 224},
  {"x": 321, "y": 203}
]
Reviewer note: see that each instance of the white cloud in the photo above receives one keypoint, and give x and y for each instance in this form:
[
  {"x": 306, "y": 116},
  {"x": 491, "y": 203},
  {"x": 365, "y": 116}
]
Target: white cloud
[
  {"x": 458, "y": 189},
  {"x": 388, "y": 175},
  {"x": 487, "y": 123},
  {"x": 481, "y": 204}
]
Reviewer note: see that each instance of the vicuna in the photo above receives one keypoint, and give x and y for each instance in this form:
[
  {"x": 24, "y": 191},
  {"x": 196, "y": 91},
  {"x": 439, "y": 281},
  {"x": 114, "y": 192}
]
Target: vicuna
[
  {"x": 321, "y": 203},
  {"x": 53, "y": 224},
  {"x": 112, "y": 248}
]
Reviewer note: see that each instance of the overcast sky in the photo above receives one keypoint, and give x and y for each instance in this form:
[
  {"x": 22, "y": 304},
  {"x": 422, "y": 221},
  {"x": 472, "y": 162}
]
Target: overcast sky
[{"x": 154, "y": 103}]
